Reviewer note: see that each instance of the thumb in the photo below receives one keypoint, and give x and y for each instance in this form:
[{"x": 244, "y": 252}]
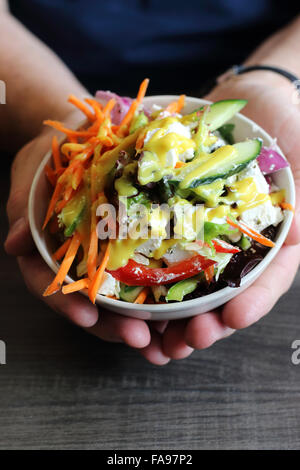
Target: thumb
[
  {"x": 19, "y": 241},
  {"x": 289, "y": 142}
]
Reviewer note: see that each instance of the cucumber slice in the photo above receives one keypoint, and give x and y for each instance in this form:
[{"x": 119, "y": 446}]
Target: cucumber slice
[
  {"x": 71, "y": 229},
  {"x": 226, "y": 132},
  {"x": 222, "y": 111},
  {"x": 72, "y": 214},
  {"x": 138, "y": 121},
  {"x": 129, "y": 293},
  {"x": 181, "y": 288},
  {"x": 244, "y": 243},
  {"x": 224, "y": 162}
]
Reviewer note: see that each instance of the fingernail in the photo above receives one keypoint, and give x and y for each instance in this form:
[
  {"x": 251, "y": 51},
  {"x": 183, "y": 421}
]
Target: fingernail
[{"x": 14, "y": 230}]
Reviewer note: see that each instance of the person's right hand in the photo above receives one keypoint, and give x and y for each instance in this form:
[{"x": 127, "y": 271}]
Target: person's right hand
[{"x": 37, "y": 275}]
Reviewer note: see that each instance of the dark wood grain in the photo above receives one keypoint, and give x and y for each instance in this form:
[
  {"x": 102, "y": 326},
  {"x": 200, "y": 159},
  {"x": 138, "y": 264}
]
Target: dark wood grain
[{"x": 62, "y": 389}]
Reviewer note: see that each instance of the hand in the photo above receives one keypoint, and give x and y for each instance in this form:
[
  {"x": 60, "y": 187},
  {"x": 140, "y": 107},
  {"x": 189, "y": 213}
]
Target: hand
[
  {"x": 271, "y": 106},
  {"x": 75, "y": 307}
]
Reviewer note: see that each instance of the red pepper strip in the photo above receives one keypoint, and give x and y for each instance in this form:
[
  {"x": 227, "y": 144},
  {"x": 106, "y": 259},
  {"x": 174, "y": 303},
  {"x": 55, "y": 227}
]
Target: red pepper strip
[
  {"x": 224, "y": 247},
  {"x": 250, "y": 232},
  {"x": 220, "y": 246},
  {"x": 136, "y": 274}
]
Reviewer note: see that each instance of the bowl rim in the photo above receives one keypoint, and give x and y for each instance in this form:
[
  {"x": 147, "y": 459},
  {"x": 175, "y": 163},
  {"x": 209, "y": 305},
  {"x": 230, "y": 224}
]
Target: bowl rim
[{"x": 186, "y": 304}]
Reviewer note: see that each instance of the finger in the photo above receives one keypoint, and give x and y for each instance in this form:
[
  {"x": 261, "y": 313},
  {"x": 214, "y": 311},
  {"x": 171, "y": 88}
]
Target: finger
[
  {"x": 293, "y": 237},
  {"x": 204, "y": 330},
  {"x": 289, "y": 141},
  {"x": 174, "y": 343},
  {"x": 260, "y": 297},
  {"x": 75, "y": 307},
  {"x": 117, "y": 328},
  {"x": 79, "y": 310},
  {"x": 154, "y": 351},
  {"x": 159, "y": 326},
  {"x": 19, "y": 240}
]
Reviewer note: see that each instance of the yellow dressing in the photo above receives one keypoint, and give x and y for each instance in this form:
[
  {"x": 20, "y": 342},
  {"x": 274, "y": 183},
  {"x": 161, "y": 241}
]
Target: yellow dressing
[
  {"x": 161, "y": 143},
  {"x": 121, "y": 251},
  {"x": 278, "y": 197},
  {"x": 162, "y": 148},
  {"x": 217, "y": 158},
  {"x": 107, "y": 161},
  {"x": 219, "y": 212},
  {"x": 210, "y": 193},
  {"x": 165, "y": 245},
  {"x": 244, "y": 194},
  {"x": 124, "y": 185}
]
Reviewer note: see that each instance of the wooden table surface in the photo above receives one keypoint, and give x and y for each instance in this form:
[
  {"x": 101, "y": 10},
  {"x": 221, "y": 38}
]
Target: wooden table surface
[{"x": 63, "y": 389}]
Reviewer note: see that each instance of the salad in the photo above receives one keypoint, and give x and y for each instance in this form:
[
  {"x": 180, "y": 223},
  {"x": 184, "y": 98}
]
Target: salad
[{"x": 152, "y": 205}]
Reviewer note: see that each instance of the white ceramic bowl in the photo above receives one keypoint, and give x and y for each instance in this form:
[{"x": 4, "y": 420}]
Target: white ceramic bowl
[{"x": 244, "y": 128}]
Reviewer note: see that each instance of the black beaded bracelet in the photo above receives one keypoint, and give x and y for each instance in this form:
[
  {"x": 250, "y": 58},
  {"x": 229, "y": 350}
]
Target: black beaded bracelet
[{"x": 240, "y": 69}]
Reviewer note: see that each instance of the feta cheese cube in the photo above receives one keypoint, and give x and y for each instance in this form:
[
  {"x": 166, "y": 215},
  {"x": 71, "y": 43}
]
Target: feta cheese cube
[
  {"x": 110, "y": 286},
  {"x": 263, "y": 215}
]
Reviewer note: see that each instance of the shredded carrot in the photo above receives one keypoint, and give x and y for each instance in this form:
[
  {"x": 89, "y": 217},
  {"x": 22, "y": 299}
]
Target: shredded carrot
[
  {"x": 73, "y": 139},
  {"x": 60, "y": 127},
  {"x": 142, "y": 296},
  {"x": 140, "y": 141},
  {"x": 55, "y": 197},
  {"x": 61, "y": 204},
  {"x": 56, "y": 153},
  {"x": 93, "y": 244},
  {"x": 65, "y": 266},
  {"x": 61, "y": 251},
  {"x": 133, "y": 107},
  {"x": 93, "y": 129},
  {"x": 209, "y": 273},
  {"x": 70, "y": 149},
  {"x": 250, "y": 232},
  {"x": 92, "y": 254},
  {"x": 77, "y": 177},
  {"x": 108, "y": 107},
  {"x": 76, "y": 286},
  {"x": 176, "y": 106},
  {"x": 71, "y": 160},
  {"x": 85, "y": 155},
  {"x": 142, "y": 90},
  {"x": 97, "y": 279},
  {"x": 96, "y": 107},
  {"x": 172, "y": 107},
  {"x": 70, "y": 169},
  {"x": 287, "y": 206},
  {"x": 76, "y": 102},
  {"x": 50, "y": 175},
  {"x": 68, "y": 193},
  {"x": 179, "y": 164}
]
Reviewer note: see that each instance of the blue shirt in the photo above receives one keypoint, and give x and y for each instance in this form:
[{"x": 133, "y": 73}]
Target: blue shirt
[{"x": 178, "y": 44}]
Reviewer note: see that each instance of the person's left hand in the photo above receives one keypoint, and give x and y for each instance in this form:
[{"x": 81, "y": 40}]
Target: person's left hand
[{"x": 271, "y": 107}]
